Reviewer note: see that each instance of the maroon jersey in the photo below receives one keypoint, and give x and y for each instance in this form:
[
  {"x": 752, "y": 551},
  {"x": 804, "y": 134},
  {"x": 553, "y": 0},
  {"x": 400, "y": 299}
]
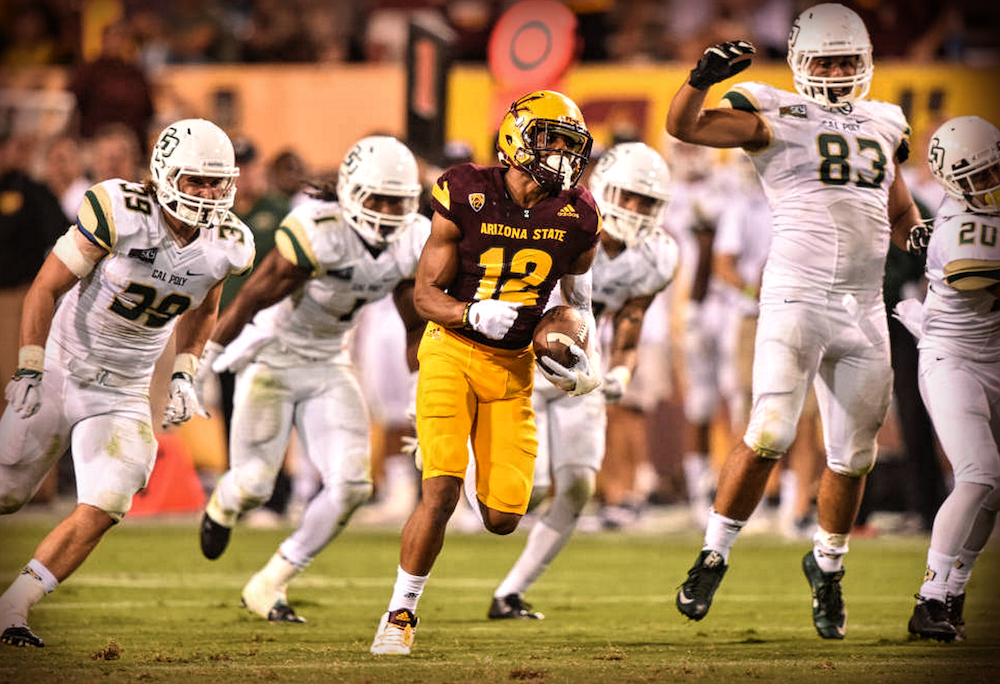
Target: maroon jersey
[{"x": 510, "y": 253}]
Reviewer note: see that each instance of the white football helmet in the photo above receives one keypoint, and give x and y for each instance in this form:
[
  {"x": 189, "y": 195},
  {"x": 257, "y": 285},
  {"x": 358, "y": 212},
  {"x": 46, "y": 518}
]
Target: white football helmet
[
  {"x": 634, "y": 167},
  {"x": 830, "y": 30},
  {"x": 964, "y": 155},
  {"x": 378, "y": 165},
  {"x": 194, "y": 147}
]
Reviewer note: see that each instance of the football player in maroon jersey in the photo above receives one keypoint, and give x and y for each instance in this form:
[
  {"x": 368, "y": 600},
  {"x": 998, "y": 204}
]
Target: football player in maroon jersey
[{"x": 501, "y": 238}]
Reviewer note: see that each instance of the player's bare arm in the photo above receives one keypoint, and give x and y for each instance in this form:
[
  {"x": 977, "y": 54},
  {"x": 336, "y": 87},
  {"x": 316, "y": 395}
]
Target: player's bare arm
[
  {"x": 194, "y": 326},
  {"x": 402, "y": 297},
  {"x": 903, "y": 212},
  {"x": 627, "y": 326},
  {"x": 275, "y": 278},
  {"x": 724, "y": 268},
  {"x": 436, "y": 271},
  {"x": 687, "y": 118},
  {"x": 54, "y": 279}
]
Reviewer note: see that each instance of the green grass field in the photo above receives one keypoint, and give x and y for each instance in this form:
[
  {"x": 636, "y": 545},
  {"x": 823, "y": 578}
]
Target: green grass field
[{"x": 146, "y": 607}]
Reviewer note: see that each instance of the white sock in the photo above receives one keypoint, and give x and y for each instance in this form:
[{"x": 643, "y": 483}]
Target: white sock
[
  {"x": 829, "y": 549},
  {"x": 935, "y": 584},
  {"x": 279, "y": 571},
  {"x": 407, "y": 590},
  {"x": 544, "y": 544},
  {"x": 695, "y": 467},
  {"x": 960, "y": 573},
  {"x": 32, "y": 583},
  {"x": 721, "y": 533}
]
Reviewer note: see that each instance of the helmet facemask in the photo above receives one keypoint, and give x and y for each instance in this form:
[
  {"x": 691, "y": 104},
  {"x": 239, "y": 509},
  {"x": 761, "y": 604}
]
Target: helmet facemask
[{"x": 552, "y": 166}]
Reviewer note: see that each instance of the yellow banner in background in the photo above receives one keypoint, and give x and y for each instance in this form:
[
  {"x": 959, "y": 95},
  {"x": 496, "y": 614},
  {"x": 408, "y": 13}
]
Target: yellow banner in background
[{"x": 622, "y": 99}]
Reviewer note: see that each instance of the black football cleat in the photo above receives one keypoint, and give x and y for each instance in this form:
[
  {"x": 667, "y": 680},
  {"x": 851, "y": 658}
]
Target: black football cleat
[
  {"x": 694, "y": 598},
  {"x": 930, "y": 621},
  {"x": 214, "y": 537},
  {"x": 829, "y": 614},
  {"x": 20, "y": 636},
  {"x": 512, "y": 607}
]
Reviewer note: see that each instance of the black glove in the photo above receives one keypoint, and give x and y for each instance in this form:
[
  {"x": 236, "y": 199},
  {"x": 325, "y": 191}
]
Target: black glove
[
  {"x": 720, "y": 62},
  {"x": 920, "y": 235}
]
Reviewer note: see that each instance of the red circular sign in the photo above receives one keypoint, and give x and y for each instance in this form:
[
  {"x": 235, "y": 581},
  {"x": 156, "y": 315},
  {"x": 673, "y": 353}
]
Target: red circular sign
[{"x": 532, "y": 44}]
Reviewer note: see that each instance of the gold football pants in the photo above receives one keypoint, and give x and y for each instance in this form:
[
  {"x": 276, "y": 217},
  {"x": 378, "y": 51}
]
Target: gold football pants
[{"x": 469, "y": 390}]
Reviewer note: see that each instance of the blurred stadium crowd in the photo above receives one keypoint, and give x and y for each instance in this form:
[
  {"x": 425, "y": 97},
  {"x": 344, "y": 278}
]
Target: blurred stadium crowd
[{"x": 120, "y": 46}]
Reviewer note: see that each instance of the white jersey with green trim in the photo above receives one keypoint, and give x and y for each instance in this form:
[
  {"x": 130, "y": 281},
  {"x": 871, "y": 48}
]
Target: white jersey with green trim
[
  {"x": 638, "y": 271},
  {"x": 119, "y": 317},
  {"x": 960, "y": 317},
  {"x": 826, "y": 174},
  {"x": 345, "y": 274}
]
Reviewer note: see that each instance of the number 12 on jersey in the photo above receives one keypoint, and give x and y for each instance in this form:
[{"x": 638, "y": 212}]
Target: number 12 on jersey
[{"x": 516, "y": 281}]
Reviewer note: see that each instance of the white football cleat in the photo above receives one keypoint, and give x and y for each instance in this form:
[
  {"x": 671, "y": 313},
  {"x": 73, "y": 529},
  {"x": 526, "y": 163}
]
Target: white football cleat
[{"x": 395, "y": 633}]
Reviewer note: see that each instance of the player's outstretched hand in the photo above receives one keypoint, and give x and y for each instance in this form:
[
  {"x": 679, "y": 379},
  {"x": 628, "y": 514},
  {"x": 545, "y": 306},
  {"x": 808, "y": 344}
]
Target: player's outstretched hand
[{"x": 720, "y": 62}]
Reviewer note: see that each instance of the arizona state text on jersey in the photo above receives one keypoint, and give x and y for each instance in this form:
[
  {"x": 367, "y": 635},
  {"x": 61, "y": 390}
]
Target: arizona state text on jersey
[{"x": 511, "y": 253}]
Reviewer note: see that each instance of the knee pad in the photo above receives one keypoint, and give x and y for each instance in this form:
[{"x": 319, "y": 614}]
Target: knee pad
[
  {"x": 575, "y": 486},
  {"x": 255, "y": 484},
  {"x": 858, "y": 464},
  {"x": 355, "y": 494},
  {"x": 770, "y": 432}
]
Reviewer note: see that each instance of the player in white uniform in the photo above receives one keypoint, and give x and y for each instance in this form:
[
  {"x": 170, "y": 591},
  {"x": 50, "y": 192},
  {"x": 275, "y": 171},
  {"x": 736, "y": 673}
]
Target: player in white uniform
[
  {"x": 140, "y": 261},
  {"x": 293, "y": 363},
  {"x": 828, "y": 161},
  {"x": 634, "y": 261},
  {"x": 958, "y": 329}
]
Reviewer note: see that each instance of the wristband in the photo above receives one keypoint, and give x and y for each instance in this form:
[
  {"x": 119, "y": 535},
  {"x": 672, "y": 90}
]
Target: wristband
[
  {"x": 185, "y": 363},
  {"x": 31, "y": 357},
  {"x": 465, "y": 315}
]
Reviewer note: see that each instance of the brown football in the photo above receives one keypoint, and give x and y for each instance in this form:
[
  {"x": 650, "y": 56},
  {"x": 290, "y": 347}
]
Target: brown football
[{"x": 560, "y": 327}]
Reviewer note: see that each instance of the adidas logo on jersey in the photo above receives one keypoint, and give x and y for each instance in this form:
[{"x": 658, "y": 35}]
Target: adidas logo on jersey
[{"x": 568, "y": 212}]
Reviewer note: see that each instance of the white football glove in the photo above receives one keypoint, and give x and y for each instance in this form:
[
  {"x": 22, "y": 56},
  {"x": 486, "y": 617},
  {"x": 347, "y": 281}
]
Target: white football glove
[
  {"x": 615, "y": 382},
  {"x": 582, "y": 377},
  {"x": 183, "y": 403},
  {"x": 492, "y": 317},
  {"x": 209, "y": 354},
  {"x": 24, "y": 392}
]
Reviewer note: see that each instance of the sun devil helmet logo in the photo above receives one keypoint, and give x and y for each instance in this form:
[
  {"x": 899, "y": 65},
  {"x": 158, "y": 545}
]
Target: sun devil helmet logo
[{"x": 477, "y": 200}]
